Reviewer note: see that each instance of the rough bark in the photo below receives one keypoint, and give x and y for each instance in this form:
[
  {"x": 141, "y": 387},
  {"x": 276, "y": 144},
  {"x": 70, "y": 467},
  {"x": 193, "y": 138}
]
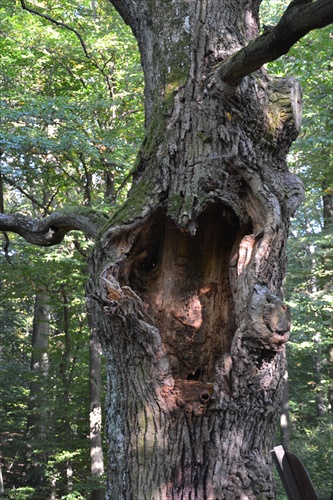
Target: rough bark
[{"x": 186, "y": 283}]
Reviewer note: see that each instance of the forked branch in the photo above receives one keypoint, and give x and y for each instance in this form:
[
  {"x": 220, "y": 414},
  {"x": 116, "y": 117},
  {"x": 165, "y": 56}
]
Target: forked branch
[{"x": 301, "y": 17}]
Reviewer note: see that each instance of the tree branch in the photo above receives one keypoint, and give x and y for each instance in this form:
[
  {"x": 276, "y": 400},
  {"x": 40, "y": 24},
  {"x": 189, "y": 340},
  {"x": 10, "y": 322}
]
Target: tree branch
[
  {"x": 51, "y": 230},
  {"x": 300, "y": 17},
  {"x": 21, "y": 190},
  {"x": 57, "y": 23},
  {"x": 83, "y": 45}
]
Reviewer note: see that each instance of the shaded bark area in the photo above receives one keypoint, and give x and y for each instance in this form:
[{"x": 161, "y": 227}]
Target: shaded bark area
[{"x": 186, "y": 282}]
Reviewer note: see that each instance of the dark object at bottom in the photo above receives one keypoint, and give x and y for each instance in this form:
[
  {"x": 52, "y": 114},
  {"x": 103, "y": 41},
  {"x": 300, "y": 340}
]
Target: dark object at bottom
[{"x": 293, "y": 474}]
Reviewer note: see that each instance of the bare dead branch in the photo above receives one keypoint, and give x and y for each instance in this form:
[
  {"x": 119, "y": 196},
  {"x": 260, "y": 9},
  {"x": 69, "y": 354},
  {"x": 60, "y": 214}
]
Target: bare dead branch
[
  {"x": 80, "y": 249},
  {"x": 301, "y": 17},
  {"x": 57, "y": 57},
  {"x": 123, "y": 184},
  {"x": 49, "y": 203}
]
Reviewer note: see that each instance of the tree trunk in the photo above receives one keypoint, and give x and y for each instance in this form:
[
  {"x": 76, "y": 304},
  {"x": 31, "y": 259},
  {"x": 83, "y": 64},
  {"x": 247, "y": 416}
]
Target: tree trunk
[
  {"x": 37, "y": 422},
  {"x": 186, "y": 283},
  {"x": 285, "y": 415},
  {"x": 96, "y": 450},
  {"x": 318, "y": 374},
  {"x": 2, "y": 488},
  {"x": 328, "y": 286}
]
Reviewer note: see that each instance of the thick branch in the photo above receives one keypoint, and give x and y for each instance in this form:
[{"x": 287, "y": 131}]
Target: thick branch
[
  {"x": 51, "y": 230},
  {"x": 301, "y": 17}
]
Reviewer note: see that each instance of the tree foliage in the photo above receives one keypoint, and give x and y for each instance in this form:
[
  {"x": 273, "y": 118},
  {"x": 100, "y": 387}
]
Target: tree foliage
[
  {"x": 309, "y": 275},
  {"x": 71, "y": 122}
]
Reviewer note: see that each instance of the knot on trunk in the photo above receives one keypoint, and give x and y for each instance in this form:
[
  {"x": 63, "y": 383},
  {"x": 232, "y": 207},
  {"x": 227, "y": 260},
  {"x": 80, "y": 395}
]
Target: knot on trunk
[
  {"x": 270, "y": 319},
  {"x": 193, "y": 396}
]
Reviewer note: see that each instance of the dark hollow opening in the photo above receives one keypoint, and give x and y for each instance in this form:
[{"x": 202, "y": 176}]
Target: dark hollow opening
[{"x": 185, "y": 285}]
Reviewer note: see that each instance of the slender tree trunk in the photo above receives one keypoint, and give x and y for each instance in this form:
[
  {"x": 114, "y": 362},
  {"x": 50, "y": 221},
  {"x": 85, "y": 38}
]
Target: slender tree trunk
[
  {"x": 318, "y": 373},
  {"x": 328, "y": 286},
  {"x": 37, "y": 420},
  {"x": 96, "y": 449},
  {"x": 2, "y": 488},
  {"x": 186, "y": 283},
  {"x": 66, "y": 376},
  {"x": 317, "y": 341},
  {"x": 285, "y": 415},
  {"x": 93, "y": 9},
  {"x": 330, "y": 374},
  {"x": 69, "y": 475}
]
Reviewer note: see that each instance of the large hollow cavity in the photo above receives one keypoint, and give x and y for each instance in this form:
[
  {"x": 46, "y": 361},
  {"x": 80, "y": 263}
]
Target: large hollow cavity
[{"x": 185, "y": 286}]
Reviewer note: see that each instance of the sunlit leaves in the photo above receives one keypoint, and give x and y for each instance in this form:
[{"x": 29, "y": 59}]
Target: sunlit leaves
[
  {"x": 78, "y": 114},
  {"x": 71, "y": 124}
]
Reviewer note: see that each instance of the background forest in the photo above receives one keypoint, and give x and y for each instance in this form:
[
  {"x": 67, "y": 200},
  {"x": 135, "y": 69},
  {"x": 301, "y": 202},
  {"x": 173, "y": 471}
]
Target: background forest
[{"x": 71, "y": 124}]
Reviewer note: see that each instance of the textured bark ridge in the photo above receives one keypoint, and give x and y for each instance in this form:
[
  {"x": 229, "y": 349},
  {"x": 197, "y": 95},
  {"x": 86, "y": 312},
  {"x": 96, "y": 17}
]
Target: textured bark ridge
[{"x": 186, "y": 286}]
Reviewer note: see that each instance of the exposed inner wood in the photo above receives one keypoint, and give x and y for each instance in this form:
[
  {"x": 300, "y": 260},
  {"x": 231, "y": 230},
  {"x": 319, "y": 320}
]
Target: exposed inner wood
[{"x": 184, "y": 282}]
